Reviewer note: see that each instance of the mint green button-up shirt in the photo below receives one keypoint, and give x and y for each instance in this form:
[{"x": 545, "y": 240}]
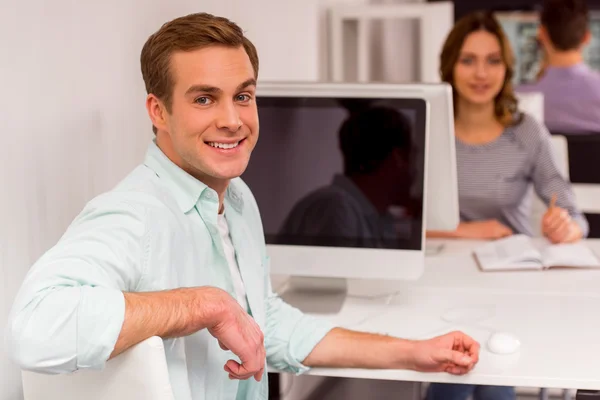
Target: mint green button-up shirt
[{"x": 157, "y": 230}]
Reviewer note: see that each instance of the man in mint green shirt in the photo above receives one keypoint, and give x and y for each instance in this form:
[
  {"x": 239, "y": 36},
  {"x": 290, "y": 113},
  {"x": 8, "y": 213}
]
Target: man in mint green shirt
[{"x": 177, "y": 249}]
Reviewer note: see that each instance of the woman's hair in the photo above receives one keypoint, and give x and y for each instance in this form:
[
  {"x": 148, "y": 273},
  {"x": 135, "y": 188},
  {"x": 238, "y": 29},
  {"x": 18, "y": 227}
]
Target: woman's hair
[{"x": 505, "y": 102}]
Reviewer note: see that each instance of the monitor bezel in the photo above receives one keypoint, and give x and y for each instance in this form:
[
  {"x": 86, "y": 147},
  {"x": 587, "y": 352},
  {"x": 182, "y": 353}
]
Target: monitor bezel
[{"x": 345, "y": 262}]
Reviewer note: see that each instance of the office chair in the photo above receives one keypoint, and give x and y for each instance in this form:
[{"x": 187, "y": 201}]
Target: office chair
[
  {"x": 584, "y": 150},
  {"x": 139, "y": 373}
]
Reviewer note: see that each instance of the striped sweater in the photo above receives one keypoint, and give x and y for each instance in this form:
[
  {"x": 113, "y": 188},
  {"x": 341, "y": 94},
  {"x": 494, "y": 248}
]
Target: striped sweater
[{"x": 494, "y": 178}]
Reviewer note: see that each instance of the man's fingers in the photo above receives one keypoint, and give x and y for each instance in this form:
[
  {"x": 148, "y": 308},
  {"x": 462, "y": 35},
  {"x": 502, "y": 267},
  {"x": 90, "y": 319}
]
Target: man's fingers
[
  {"x": 222, "y": 346},
  {"x": 465, "y": 343},
  {"x": 234, "y": 367},
  {"x": 258, "y": 376},
  {"x": 244, "y": 370},
  {"x": 457, "y": 370},
  {"x": 233, "y": 375},
  {"x": 456, "y": 357}
]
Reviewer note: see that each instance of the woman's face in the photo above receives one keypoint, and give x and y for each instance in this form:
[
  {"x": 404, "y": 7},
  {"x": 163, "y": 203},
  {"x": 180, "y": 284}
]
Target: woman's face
[{"x": 480, "y": 70}]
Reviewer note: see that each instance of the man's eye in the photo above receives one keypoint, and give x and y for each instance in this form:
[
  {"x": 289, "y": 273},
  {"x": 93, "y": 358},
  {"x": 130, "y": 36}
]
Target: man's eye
[
  {"x": 243, "y": 97},
  {"x": 203, "y": 101}
]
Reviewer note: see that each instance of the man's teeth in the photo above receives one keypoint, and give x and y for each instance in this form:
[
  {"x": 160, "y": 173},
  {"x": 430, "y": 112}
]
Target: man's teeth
[{"x": 223, "y": 145}]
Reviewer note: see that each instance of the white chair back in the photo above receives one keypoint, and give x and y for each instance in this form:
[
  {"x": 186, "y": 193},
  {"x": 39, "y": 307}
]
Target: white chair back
[
  {"x": 532, "y": 104},
  {"x": 140, "y": 373}
]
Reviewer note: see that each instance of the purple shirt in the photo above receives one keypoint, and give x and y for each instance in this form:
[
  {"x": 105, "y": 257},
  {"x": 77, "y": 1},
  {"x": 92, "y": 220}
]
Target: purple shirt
[{"x": 571, "y": 98}]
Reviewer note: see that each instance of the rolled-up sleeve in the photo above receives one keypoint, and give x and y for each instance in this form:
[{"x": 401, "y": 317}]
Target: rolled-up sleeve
[
  {"x": 290, "y": 335},
  {"x": 70, "y": 309}
]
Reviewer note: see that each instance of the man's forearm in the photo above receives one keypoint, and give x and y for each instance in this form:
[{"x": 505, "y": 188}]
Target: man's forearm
[
  {"x": 342, "y": 348},
  {"x": 170, "y": 313}
]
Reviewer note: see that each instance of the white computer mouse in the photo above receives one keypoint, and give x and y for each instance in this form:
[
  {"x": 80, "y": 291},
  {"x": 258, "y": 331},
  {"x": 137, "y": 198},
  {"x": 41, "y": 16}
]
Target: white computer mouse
[{"x": 503, "y": 343}]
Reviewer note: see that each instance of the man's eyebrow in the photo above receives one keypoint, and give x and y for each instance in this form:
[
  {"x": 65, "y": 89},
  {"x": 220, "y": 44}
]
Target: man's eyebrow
[
  {"x": 204, "y": 89},
  {"x": 245, "y": 84},
  {"x": 215, "y": 90}
]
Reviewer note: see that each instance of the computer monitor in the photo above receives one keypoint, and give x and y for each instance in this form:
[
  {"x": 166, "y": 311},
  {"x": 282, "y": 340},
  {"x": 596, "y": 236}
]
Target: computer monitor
[
  {"x": 442, "y": 212},
  {"x": 319, "y": 220}
]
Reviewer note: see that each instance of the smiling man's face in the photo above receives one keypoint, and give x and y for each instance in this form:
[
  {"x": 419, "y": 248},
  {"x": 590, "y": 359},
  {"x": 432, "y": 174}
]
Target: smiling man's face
[{"x": 213, "y": 124}]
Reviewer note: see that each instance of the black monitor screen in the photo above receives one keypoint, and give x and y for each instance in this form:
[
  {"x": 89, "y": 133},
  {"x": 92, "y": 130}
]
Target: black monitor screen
[{"x": 340, "y": 172}]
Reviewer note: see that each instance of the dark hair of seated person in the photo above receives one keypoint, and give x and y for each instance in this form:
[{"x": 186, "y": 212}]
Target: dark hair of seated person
[
  {"x": 368, "y": 137},
  {"x": 566, "y": 21}
]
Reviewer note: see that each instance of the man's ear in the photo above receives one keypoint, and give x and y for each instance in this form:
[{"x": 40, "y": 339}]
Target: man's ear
[
  {"x": 542, "y": 36},
  {"x": 157, "y": 112},
  {"x": 586, "y": 38}
]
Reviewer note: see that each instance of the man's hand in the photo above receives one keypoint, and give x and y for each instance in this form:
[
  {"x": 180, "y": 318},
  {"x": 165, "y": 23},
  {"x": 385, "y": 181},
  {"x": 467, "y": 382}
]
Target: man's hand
[
  {"x": 489, "y": 229},
  {"x": 184, "y": 311},
  {"x": 559, "y": 227},
  {"x": 455, "y": 353},
  {"x": 237, "y": 331}
]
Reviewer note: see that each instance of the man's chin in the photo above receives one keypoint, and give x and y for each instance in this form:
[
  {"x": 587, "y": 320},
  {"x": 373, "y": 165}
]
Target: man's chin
[{"x": 231, "y": 174}]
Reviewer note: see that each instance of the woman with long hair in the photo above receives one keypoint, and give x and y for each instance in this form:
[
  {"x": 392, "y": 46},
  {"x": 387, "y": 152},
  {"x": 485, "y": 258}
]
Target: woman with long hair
[{"x": 500, "y": 151}]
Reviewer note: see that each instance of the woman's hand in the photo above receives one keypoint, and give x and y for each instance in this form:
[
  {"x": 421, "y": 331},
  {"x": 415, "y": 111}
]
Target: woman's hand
[{"x": 559, "y": 227}]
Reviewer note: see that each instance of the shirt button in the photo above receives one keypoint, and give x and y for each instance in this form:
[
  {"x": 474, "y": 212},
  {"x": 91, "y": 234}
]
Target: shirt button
[{"x": 210, "y": 195}]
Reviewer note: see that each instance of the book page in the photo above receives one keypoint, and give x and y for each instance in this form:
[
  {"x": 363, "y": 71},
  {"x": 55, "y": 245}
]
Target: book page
[
  {"x": 569, "y": 255},
  {"x": 511, "y": 253}
]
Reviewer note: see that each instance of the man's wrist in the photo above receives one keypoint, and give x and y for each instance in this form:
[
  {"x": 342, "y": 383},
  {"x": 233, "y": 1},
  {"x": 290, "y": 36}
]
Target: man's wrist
[
  {"x": 403, "y": 353},
  {"x": 209, "y": 307}
]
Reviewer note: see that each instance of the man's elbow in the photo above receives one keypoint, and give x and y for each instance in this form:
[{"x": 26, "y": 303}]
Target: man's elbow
[
  {"x": 42, "y": 335},
  {"x": 34, "y": 352}
]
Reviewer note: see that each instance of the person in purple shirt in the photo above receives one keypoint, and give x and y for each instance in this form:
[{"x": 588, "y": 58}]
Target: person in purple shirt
[{"x": 571, "y": 89}]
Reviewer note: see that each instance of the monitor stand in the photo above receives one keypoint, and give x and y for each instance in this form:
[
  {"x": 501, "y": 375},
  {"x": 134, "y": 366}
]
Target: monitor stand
[
  {"x": 433, "y": 249},
  {"x": 316, "y": 295}
]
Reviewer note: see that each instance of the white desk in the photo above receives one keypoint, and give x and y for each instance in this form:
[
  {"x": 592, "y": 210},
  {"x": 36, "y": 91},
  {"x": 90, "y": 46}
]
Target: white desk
[{"x": 554, "y": 313}]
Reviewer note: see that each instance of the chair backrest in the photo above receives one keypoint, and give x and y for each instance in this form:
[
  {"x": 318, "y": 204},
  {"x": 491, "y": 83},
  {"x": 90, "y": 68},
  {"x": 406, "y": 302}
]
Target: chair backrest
[
  {"x": 584, "y": 153},
  {"x": 561, "y": 158},
  {"x": 583, "y": 156},
  {"x": 140, "y": 373}
]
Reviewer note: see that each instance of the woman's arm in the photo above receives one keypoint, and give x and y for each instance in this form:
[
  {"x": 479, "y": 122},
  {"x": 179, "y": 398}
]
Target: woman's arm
[
  {"x": 548, "y": 183},
  {"x": 488, "y": 229}
]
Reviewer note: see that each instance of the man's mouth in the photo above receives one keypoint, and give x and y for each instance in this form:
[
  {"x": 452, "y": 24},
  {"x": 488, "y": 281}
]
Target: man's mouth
[{"x": 225, "y": 146}]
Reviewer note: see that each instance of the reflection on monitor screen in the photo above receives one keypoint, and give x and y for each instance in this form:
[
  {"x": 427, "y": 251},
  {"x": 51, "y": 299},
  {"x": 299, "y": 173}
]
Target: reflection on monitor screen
[{"x": 343, "y": 172}]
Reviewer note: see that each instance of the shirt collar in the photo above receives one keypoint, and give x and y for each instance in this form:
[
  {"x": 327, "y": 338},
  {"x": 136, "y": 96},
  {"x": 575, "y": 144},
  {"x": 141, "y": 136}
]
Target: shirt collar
[
  {"x": 560, "y": 71},
  {"x": 186, "y": 189}
]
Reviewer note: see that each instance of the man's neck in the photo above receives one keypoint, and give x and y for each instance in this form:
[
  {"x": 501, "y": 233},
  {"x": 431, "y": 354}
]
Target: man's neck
[
  {"x": 564, "y": 59},
  {"x": 374, "y": 189}
]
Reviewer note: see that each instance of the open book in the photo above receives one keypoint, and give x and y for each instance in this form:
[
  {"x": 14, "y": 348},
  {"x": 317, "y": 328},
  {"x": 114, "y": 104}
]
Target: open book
[{"x": 520, "y": 252}]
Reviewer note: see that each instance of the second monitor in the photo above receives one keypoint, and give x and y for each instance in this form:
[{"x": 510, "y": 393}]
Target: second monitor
[
  {"x": 339, "y": 176},
  {"x": 441, "y": 193}
]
